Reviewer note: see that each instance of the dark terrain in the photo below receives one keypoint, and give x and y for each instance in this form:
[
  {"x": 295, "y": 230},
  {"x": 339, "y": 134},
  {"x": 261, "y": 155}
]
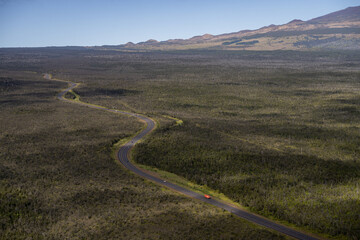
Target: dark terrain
[
  {"x": 277, "y": 132},
  {"x": 58, "y": 176}
]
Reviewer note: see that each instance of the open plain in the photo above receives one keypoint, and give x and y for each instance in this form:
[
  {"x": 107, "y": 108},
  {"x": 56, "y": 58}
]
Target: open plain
[{"x": 275, "y": 132}]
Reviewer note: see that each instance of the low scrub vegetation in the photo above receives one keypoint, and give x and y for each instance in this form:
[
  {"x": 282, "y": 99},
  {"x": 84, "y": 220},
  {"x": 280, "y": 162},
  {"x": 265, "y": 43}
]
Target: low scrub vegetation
[
  {"x": 59, "y": 180},
  {"x": 277, "y": 131}
]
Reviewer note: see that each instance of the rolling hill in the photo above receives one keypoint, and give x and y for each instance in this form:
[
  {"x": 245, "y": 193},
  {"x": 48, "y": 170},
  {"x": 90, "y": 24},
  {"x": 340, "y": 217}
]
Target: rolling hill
[{"x": 337, "y": 30}]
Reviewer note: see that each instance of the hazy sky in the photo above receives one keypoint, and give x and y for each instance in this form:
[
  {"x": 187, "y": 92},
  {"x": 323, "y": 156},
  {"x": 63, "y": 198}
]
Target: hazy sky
[{"x": 32, "y": 23}]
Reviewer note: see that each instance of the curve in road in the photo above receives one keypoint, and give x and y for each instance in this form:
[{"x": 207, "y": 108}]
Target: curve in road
[{"x": 123, "y": 154}]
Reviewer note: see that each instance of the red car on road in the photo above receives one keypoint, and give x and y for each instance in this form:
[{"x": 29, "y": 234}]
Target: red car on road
[{"x": 207, "y": 196}]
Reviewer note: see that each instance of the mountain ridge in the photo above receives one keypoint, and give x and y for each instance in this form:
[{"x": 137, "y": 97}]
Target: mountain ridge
[{"x": 336, "y": 30}]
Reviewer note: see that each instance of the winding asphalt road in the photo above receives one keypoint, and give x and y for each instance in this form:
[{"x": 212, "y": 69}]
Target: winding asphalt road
[{"x": 123, "y": 156}]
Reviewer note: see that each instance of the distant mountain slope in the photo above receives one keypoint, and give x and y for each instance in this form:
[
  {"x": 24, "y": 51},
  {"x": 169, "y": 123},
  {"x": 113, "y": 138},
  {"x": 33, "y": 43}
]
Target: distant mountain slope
[
  {"x": 337, "y": 30},
  {"x": 349, "y": 14}
]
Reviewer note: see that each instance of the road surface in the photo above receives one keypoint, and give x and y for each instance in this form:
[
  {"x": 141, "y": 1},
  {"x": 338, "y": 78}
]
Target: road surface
[{"x": 123, "y": 156}]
